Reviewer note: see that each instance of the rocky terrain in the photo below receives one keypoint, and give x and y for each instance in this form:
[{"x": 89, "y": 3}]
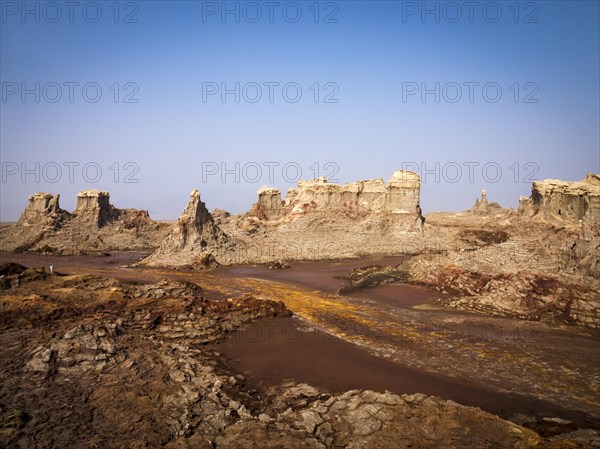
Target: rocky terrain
[
  {"x": 375, "y": 216},
  {"x": 95, "y": 226},
  {"x": 93, "y": 362},
  {"x": 193, "y": 241},
  {"x": 90, "y": 361},
  {"x": 541, "y": 262},
  {"x": 322, "y": 221},
  {"x": 372, "y": 216}
]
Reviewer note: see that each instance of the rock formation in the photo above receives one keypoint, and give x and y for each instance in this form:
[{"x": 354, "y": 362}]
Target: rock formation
[
  {"x": 42, "y": 214},
  {"x": 306, "y": 225},
  {"x": 484, "y": 200},
  {"x": 40, "y": 208},
  {"x": 482, "y": 206},
  {"x": 545, "y": 266},
  {"x": 192, "y": 241},
  {"x": 553, "y": 199},
  {"x": 94, "y": 206},
  {"x": 321, "y": 221},
  {"x": 399, "y": 196},
  {"x": 94, "y": 226},
  {"x": 43, "y": 202}
]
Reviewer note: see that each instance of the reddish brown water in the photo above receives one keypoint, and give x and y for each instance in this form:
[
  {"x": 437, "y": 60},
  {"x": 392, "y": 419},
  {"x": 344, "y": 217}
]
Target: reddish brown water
[
  {"x": 323, "y": 276},
  {"x": 272, "y": 351}
]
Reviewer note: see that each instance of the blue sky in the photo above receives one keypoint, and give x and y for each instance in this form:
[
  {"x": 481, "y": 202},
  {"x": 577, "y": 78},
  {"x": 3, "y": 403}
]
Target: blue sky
[{"x": 369, "y": 56}]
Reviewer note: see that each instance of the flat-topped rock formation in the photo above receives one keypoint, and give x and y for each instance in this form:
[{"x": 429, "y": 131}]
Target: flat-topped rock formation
[
  {"x": 322, "y": 221},
  {"x": 399, "y": 195},
  {"x": 553, "y": 199},
  {"x": 94, "y": 206},
  {"x": 192, "y": 241},
  {"x": 94, "y": 226}
]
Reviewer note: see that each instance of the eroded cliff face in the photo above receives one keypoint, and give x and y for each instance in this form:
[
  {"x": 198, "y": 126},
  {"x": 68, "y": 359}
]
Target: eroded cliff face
[
  {"x": 94, "y": 226},
  {"x": 316, "y": 221},
  {"x": 42, "y": 203},
  {"x": 553, "y": 199},
  {"x": 192, "y": 240},
  {"x": 42, "y": 214},
  {"x": 400, "y": 195},
  {"x": 42, "y": 209},
  {"x": 94, "y": 206},
  {"x": 545, "y": 267},
  {"x": 323, "y": 221}
]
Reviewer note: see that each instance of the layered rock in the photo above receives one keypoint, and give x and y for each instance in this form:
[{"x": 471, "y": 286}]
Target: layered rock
[
  {"x": 94, "y": 226},
  {"x": 43, "y": 202},
  {"x": 553, "y": 199},
  {"x": 269, "y": 205},
  {"x": 94, "y": 206},
  {"x": 323, "y": 221},
  {"x": 41, "y": 208},
  {"x": 193, "y": 239},
  {"x": 523, "y": 294},
  {"x": 400, "y": 195},
  {"x": 41, "y": 215},
  {"x": 542, "y": 263},
  {"x": 575, "y": 206},
  {"x": 583, "y": 254}
]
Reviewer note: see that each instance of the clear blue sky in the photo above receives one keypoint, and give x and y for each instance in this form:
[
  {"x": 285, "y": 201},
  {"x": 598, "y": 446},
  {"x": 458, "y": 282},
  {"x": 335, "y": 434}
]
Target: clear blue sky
[{"x": 373, "y": 54}]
